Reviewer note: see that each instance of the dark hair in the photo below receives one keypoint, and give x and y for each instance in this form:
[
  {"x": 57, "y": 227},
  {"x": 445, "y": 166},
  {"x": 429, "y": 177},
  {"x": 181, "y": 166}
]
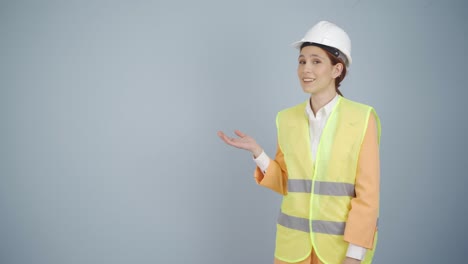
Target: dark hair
[{"x": 334, "y": 60}]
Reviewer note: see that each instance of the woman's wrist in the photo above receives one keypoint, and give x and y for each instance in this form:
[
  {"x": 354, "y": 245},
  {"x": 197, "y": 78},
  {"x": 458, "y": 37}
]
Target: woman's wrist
[{"x": 257, "y": 151}]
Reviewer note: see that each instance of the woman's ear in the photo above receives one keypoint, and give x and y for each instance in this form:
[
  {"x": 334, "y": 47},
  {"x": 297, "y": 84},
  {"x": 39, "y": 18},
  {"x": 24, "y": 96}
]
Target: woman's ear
[{"x": 337, "y": 70}]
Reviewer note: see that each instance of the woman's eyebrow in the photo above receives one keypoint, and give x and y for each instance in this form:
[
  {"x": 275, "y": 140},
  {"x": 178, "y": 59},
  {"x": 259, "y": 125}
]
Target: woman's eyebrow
[{"x": 311, "y": 55}]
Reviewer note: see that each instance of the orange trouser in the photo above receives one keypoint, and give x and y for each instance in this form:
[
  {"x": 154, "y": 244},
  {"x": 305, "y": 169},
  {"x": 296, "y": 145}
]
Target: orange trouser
[{"x": 311, "y": 259}]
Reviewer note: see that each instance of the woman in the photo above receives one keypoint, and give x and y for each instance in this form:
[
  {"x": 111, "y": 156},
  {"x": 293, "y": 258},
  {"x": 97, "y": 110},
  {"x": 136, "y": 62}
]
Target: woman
[{"x": 327, "y": 161}]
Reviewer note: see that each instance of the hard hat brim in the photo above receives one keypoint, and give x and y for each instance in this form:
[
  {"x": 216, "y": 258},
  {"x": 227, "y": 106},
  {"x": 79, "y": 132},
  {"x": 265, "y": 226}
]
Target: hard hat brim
[{"x": 297, "y": 44}]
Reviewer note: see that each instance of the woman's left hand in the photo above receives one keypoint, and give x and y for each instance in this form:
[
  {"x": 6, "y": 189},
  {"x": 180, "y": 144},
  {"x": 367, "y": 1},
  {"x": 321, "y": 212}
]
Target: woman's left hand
[{"x": 351, "y": 261}]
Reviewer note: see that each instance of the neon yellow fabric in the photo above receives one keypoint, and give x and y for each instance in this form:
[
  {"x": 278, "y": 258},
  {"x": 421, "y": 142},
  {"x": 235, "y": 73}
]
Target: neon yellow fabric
[{"x": 335, "y": 165}]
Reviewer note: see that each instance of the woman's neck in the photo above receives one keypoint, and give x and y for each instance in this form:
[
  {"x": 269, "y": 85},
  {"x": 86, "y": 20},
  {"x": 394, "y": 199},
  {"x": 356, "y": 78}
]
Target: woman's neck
[{"x": 321, "y": 99}]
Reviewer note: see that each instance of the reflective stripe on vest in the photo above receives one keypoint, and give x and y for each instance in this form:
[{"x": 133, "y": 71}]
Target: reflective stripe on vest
[
  {"x": 318, "y": 226},
  {"x": 322, "y": 187}
]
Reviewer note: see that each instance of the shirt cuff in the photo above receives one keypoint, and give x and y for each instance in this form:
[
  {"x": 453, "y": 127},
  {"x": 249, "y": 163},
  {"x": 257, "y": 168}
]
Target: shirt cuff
[
  {"x": 262, "y": 161},
  {"x": 356, "y": 252}
]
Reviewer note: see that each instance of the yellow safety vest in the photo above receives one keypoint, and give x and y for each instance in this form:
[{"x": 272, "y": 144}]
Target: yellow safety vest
[{"x": 315, "y": 210}]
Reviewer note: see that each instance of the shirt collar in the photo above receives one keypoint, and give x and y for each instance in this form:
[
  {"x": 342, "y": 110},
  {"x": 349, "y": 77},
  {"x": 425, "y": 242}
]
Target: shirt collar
[{"x": 324, "y": 111}]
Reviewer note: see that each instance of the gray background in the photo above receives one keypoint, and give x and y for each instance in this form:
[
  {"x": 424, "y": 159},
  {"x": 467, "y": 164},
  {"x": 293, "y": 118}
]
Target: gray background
[{"x": 109, "y": 112}]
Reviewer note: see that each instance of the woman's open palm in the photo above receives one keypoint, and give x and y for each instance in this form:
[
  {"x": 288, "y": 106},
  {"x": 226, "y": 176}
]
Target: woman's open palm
[{"x": 243, "y": 141}]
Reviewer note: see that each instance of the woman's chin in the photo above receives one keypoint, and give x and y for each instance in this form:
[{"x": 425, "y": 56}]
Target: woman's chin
[{"x": 308, "y": 90}]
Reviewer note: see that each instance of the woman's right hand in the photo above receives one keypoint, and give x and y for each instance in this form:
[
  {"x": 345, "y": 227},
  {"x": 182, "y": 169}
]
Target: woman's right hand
[{"x": 243, "y": 142}]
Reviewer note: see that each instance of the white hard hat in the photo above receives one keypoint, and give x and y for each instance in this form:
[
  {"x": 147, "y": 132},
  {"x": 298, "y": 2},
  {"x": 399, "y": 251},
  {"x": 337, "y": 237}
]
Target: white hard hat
[{"x": 329, "y": 34}]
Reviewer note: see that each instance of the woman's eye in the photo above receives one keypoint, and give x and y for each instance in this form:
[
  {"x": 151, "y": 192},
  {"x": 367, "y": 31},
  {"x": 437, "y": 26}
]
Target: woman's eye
[
  {"x": 316, "y": 62},
  {"x": 301, "y": 62}
]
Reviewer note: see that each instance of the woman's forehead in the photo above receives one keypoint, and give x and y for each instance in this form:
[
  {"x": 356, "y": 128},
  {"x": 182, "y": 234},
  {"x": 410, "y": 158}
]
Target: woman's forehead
[{"x": 312, "y": 51}]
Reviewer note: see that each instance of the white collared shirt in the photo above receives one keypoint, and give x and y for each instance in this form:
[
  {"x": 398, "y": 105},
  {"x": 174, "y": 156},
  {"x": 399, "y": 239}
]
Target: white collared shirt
[{"x": 316, "y": 124}]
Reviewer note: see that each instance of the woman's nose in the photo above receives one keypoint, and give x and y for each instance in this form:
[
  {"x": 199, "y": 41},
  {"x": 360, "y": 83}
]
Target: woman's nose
[{"x": 307, "y": 67}]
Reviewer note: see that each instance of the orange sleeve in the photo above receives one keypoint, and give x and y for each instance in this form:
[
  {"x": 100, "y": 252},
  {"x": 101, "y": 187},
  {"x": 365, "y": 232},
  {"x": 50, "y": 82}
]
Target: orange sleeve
[
  {"x": 362, "y": 219},
  {"x": 276, "y": 175}
]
